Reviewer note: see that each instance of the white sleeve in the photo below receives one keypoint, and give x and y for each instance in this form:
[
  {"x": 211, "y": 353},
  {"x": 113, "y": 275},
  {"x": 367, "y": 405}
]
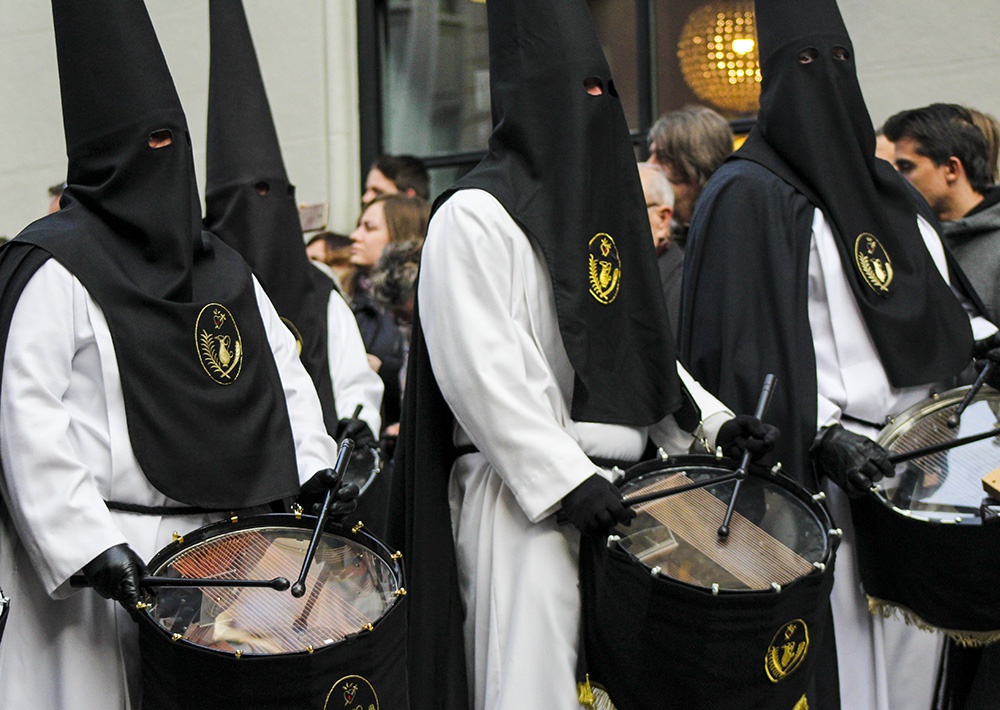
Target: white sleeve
[
  {"x": 490, "y": 370},
  {"x": 314, "y": 448},
  {"x": 354, "y": 381},
  {"x": 672, "y": 439},
  {"x": 52, "y": 495}
]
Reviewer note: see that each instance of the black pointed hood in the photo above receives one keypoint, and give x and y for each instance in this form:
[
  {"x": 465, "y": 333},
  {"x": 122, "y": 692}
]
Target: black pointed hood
[
  {"x": 250, "y": 204},
  {"x": 205, "y": 409},
  {"x": 814, "y": 131},
  {"x": 561, "y": 163}
]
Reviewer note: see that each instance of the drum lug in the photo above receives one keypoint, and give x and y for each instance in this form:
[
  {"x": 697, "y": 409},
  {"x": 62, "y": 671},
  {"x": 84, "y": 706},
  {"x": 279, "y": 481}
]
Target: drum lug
[
  {"x": 234, "y": 518},
  {"x": 176, "y": 637},
  {"x": 835, "y": 532},
  {"x": 357, "y": 528},
  {"x": 401, "y": 592},
  {"x": 662, "y": 455},
  {"x": 820, "y": 566},
  {"x": 614, "y": 538},
  {"x": 776, "y": 468},
  {"x": 715, "y": 589},
  {"x": 310, "y": 649},
  {"x": 396, "y": 555},
  {"x": 819, "y": 496},
  {"x": 367, "y": 627},
  {"x": 656, "y": 570},
  {"x": 775, "y": 586},
  {"x": 718, "y": 452},
  {"x": 177, "y": 537},
  {"x": 297, "y": 511},
  {"x": 238, "y": 654},
  {"x": 141, "y": 606}
]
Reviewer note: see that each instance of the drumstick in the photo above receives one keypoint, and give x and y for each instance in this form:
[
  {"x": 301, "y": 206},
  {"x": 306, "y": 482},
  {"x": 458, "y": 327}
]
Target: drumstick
[
  {"x": 741, "y": 472},
  {"x": 956, "y": 416},
  {"x": 279, "y": 584},
  {"x": 935, "y": 448},
  {"x": 343, "y": 457},
  {"x": 666, "y": 492}
]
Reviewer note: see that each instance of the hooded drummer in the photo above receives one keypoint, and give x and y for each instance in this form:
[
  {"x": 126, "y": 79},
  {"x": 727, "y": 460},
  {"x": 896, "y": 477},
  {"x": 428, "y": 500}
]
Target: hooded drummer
[
  {"x": 811, "y": 259},
  {"x": 541, "y": 358},
  {"x": 148, "y": 383}
]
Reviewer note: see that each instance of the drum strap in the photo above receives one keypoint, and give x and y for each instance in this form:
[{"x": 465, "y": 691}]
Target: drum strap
[
  {"x": 598, "y": 461},
  {"x": 161, "y": 510}
]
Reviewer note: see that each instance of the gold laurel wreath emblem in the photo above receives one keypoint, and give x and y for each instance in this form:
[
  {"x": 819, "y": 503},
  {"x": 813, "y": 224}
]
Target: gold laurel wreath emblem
[
  {"x": 604, "y": 268},
  {"x": 220, "y": 347},
  {"x": 787, "y": 651},
  {"x": 353, "y": 688},
  {"x": 873, "y": 263}
]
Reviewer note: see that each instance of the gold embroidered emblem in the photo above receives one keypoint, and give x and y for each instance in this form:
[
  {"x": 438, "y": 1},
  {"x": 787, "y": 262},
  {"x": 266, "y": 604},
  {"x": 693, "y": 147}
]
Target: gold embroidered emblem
[
  {"x": 220, "y": 347},
  {"x": 787, "y": 651},
  {"x": 295, "y": 332},
  {"x": 353, "y": 693},
  {"x": 605, "y": 268},
  {"x": 873, "y": 263}
]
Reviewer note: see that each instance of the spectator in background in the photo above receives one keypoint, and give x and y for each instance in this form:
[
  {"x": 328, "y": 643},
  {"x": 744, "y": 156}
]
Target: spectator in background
[
  {"x": 387, "y": 219},
  {"x": 669, "y": 258},
  {"x": 944, "y": 154},
  {"x": 333, "y": 252},
  {"x": 55, "y": 194},
  {"x": 988, "y": 124},
  {"x": 393, "y": 174},
  {"x": 689, "y": 144}
]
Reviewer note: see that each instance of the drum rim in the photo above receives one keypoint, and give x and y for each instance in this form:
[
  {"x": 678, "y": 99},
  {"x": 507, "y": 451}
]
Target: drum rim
[
  {"x": 643, "y": 469},
  {"x": 393, "y": 560},
  {"x": 374, "y": 473},
  {"x": 900, "y": 424}
]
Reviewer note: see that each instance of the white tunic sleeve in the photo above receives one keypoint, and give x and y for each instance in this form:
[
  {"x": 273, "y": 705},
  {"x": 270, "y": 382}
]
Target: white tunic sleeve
[
  {"x": 481, "y": 295},
  {"x": 51, "y": 493},
  {"x": 314, "y": 448},
  {"x": 354, "y": 381}
]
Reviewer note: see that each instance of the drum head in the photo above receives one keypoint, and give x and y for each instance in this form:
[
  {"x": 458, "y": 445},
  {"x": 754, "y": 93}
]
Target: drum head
[
  {"x": 946, "y": 486},
  {"x": 777, "y": 535},
  {"x": 349, "y": 587}
]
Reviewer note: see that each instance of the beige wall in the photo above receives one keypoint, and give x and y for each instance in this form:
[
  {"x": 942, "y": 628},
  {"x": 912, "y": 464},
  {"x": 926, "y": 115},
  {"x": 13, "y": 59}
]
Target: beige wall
[
  {"x": 308, "y": 55},
  {"x": 910, "y": 52}
]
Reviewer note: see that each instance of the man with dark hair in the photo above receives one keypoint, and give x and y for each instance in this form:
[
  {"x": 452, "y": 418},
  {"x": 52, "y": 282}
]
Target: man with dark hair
[
  {"x": 689, "y": 144},
  {"x": 945, "y": 155},
  {"x": 391, "y": 174},
  {"x": 55, "y": 194}
]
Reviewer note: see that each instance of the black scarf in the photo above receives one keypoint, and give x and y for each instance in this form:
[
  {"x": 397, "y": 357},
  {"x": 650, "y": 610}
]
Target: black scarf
[
  {"x": 204, "y": 402},
  {"x": 250, "y": 204},
  {"x": 561, "y": 163},
  {"x": 815, "y": 133}
]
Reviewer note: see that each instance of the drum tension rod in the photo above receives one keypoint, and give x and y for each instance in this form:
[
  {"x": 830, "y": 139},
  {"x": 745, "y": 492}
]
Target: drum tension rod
[{"x": 741, "y": 472}]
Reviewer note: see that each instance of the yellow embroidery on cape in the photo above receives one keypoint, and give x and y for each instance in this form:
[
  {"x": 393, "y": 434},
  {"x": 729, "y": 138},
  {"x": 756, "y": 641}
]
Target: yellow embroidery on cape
[
  {"x": 605, "y": 268},
  {"x": 787, "y": 651},
  {"x": 219, "y": 345},
  {"x": 873, "y": 263},
  {"x": 352, "y": 692},
  {"x": 295, "y": 332}
]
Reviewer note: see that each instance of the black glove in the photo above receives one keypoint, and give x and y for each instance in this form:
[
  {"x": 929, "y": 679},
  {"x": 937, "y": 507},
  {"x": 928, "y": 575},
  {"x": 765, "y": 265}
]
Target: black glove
[
  {"x": 595, "y": 506},
  {"x": 989, "y": 349},
  {"x": 116, "y": 574},
  {"x": 745, "y": 432},
  {"x": 313, "y": 492},
  {"x": 852, "y": 461},
  {"x": 356, "y": 430}
]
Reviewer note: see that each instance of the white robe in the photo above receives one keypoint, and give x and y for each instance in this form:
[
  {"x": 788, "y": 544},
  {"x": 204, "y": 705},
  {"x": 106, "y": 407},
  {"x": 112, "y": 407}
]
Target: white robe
[
  {"x": 65, "y": 449},
  {"x": 488, "y": 315},
  {"x": 884, "y": 664},
  {"x": 354, "y": 381}
]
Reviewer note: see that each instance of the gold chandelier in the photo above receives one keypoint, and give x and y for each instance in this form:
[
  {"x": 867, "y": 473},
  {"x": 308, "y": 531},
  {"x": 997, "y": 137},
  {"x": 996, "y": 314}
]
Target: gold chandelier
[{"x": 718, "y": 55}]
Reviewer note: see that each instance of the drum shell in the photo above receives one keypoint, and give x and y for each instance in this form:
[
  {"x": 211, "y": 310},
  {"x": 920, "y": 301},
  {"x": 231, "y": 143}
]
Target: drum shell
[
  {"x": 657, "y": 644},
  {"x": 177, "y": 675},
  {"x": 946, "y": 574}
]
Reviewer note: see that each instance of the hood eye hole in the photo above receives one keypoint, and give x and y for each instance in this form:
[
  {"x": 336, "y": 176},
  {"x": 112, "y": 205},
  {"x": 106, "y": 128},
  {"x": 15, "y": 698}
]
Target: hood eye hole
[
  {"x": 808, "y": 55},
  {"x": 841, "y": 54},
  {"x": 262, "y": 188},
  {"x": 612, "y": 89},
  {"x": 160, "y": 139},
  {"x": 593, "y": 85}
]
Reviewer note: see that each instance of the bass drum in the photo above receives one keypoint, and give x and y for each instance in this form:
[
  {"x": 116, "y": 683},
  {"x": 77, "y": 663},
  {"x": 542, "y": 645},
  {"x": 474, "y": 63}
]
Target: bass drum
[
  {"x": 677, "y": 617},
  {"x": 924, "y": 550},
  {"x": 342, "y": 644}
]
